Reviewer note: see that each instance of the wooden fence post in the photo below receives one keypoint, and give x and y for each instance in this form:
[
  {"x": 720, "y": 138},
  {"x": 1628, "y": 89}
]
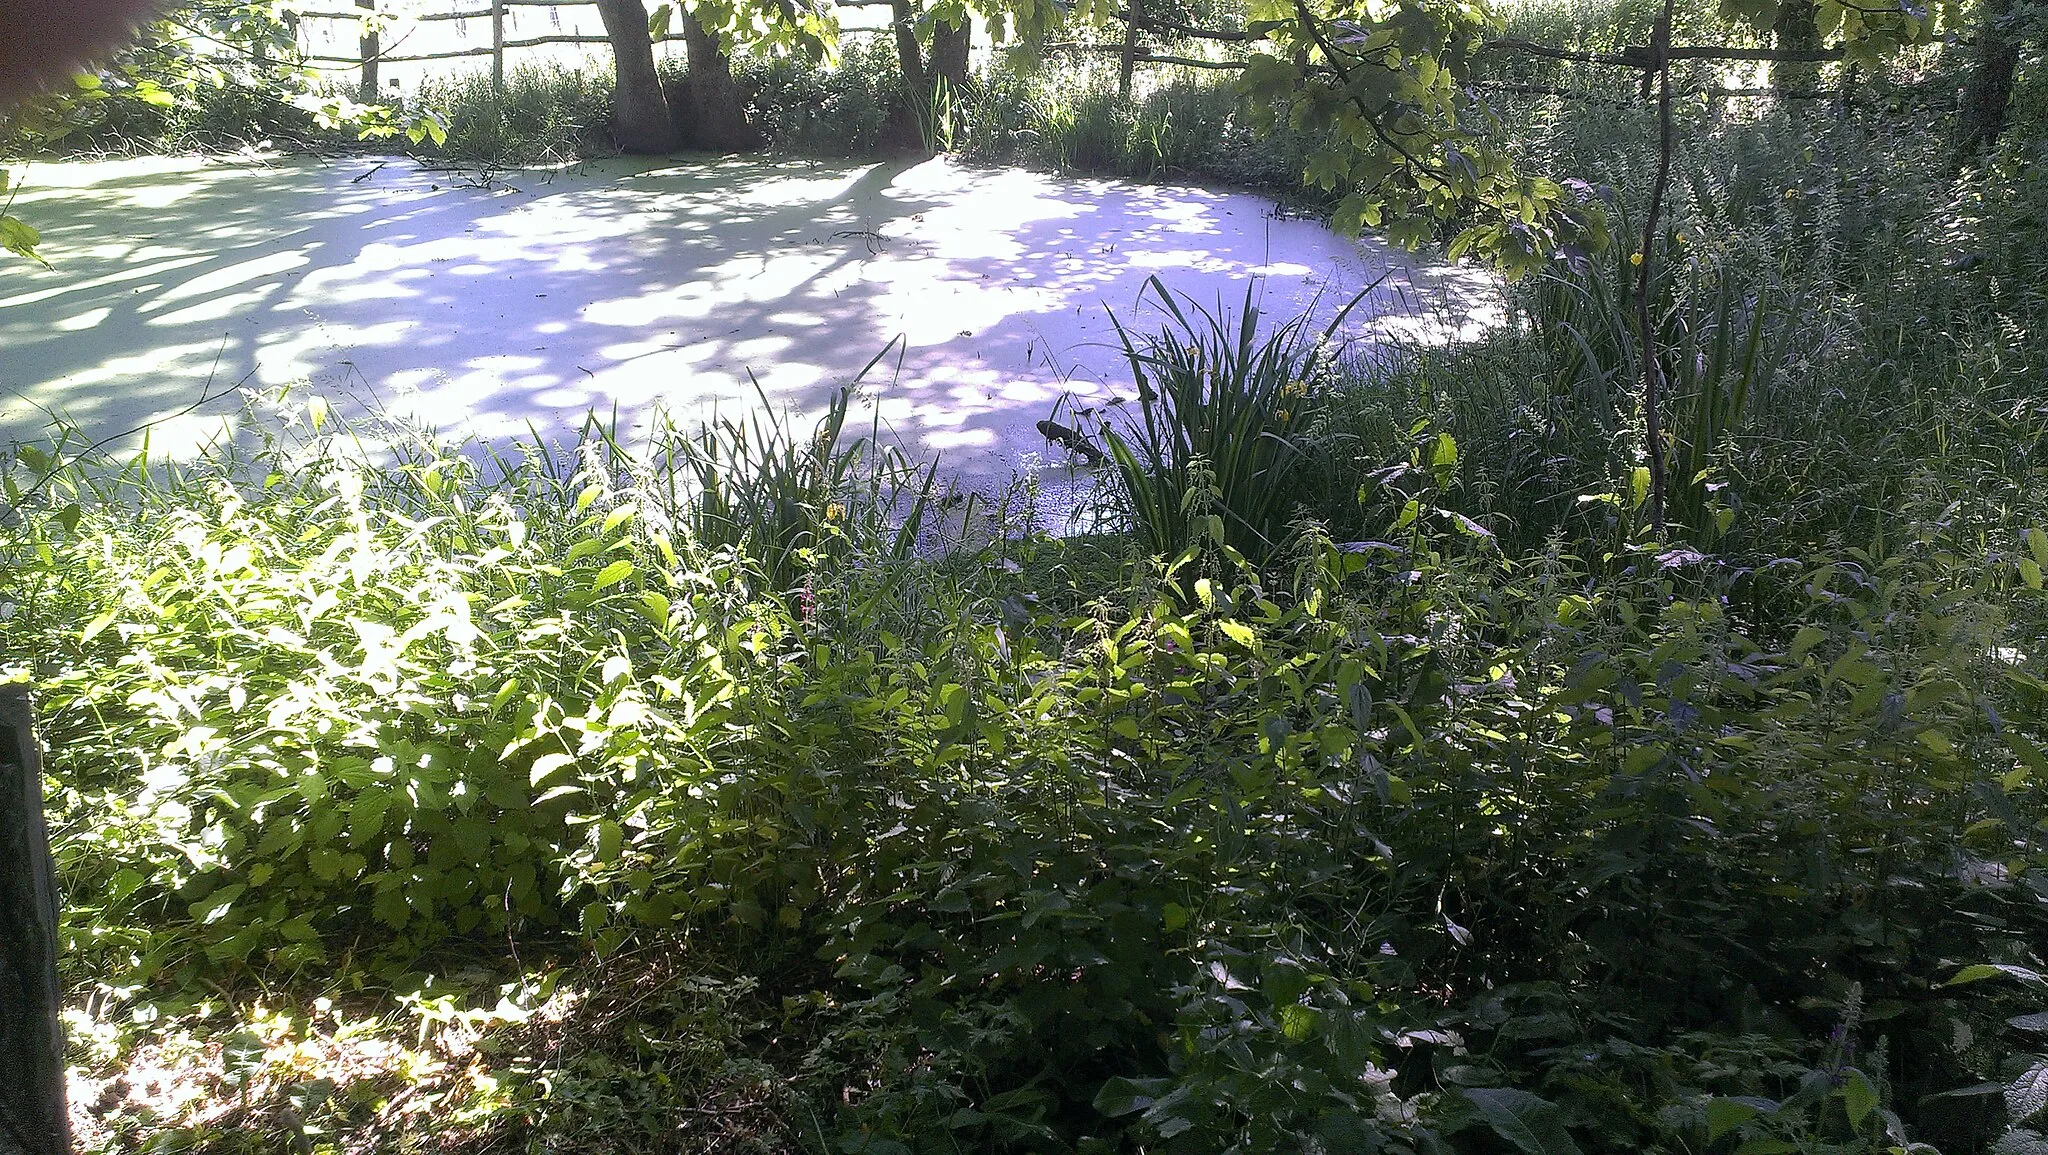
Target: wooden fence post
[
  {"x": 368, "y": 46},
  {"x": 498, "y": 46},
  {"x": 33, "y": 1117}
]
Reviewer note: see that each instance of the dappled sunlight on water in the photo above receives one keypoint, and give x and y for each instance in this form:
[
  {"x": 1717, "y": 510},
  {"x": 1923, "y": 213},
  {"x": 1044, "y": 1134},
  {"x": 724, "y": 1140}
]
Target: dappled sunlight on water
[{"x": 491, "y": 306}]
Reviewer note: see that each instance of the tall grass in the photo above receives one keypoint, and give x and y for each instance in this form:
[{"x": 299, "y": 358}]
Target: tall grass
[
  {"x": 1225, "y": 408},
  {"x": 796, "y": 504},
  {"x": 546, "y": 114}
]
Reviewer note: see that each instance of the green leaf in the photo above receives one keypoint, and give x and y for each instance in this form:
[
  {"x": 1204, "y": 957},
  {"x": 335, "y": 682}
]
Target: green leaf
[
  {"x": 2027, "y": 1096},
  {"x": 1859, "y": 1097},
  {"x": 21, "y": 239},
  {"x": 655, "y": 606},
  {"x": 153, "y": 94},
  {"x": 366, "y": 817},
  {"x": 1724, "y": 1115},
  {"x": 1298, "y": 1022},
  {"x": 216, "y": 905},
  {"x": 1979, "y": 971},
  {"x": 1443, "y": 455},
  {"x": 390, "y": 908},
  {"x": 1936, "y": 742},
  {"x": 1532, "y": 1123},
  {"x": 93, "y": 627},
  {"x": 1806, "y": 639},
  {"x": 609, "y": 839},
  {"x": 1240, "y": 633},
  {"x": 1121, "y": 1096},
  {"x": 2020, "y": 1141},
  {"x": 547, "y": 766},
  {"x": 612, "y": 574}
]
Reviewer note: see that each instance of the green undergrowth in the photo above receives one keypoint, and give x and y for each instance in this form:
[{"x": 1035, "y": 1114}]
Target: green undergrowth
[
  {"x": 544, "y": 115},
  {"x": 1376, "y": 780},
  {"x": 487, "y": 803}
]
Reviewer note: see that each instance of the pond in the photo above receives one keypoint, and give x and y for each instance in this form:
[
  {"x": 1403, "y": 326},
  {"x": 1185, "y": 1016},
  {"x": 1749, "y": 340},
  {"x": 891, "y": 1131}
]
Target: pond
[{"x": 496, "y": 304}]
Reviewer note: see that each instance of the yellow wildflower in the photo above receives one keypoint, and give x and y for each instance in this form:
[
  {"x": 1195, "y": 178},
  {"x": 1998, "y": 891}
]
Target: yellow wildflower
[
  {"x": 835, "y": 512},
  {"x": 1635, "y": 258}
]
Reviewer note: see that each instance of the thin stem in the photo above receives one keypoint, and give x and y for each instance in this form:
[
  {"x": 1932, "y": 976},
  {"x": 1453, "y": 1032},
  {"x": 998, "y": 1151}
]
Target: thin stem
[{"x": 1653, "y": 370}]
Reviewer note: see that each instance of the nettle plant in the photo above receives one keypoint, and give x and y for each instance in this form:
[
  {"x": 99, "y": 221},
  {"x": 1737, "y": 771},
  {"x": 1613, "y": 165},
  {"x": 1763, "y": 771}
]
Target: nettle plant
[{"x": 1385, "y": 90}]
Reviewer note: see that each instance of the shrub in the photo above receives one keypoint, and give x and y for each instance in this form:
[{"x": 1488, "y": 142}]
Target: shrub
[{"x": 854, "y": 108}]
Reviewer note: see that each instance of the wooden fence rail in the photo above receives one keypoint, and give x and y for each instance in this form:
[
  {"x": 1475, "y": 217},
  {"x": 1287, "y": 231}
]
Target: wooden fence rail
[
  {"x": 372, "y": 52},
  {"x": 1131, "y": 48}
]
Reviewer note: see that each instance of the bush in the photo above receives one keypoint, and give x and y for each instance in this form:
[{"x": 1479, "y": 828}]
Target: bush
[{"x": 855, "y": 108}]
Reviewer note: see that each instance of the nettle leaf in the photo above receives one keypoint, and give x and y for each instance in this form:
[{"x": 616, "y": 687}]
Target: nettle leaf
[
  {"x": 2027, "y": 1096},
  {"x": 1298, "y": 1023},
  {"x": 366, "y": 817},
  {"x": 1724, "y": 1115},
  {"x": 613, "y": 574},
  {"x": 1979, "y": 971},
  {"x": 2020, "y": 1141},
  {"x": 547, "y": 766},
  {"x": 215, "y": 906},
  {"x": 1532, "y": 1123},
  {"x": 1859, "y": 1097},
  {"x": 1121, "y": 1096}
]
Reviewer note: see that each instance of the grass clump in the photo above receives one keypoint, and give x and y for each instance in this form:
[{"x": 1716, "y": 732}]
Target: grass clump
[
  {"x": 1224, "y": 410},
  {"x": 546, "y": 114}
]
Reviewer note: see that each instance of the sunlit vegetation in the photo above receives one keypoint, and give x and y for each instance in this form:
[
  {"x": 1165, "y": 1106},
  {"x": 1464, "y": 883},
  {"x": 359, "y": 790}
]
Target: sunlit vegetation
[{"x": 1391, "y": 764}]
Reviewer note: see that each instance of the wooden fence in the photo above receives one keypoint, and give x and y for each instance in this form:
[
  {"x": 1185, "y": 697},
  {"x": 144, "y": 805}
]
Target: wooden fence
[
  {"x": 1144, "y": 37},
  {"x": 371, "y": 50}
]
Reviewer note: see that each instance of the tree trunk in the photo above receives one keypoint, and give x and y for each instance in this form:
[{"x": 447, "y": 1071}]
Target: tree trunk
[
  {"x": 1988, "y": 93},
  {"x": 903, "y": 21},
  {"x": 641, "y": 119},
  {"x": 1127, "y": 60},
  {"x": 716, "y": 113},
  {"x": 950, "y": 47},
  {"x": 1798, "y": 30},
  {"x": 370, "y": 49},
  {"x": 32, "y": 1113}
]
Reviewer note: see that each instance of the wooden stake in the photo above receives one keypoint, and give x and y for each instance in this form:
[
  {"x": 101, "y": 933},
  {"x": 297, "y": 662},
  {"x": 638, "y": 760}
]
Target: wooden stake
[{"x": 33, "y": 1116}]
